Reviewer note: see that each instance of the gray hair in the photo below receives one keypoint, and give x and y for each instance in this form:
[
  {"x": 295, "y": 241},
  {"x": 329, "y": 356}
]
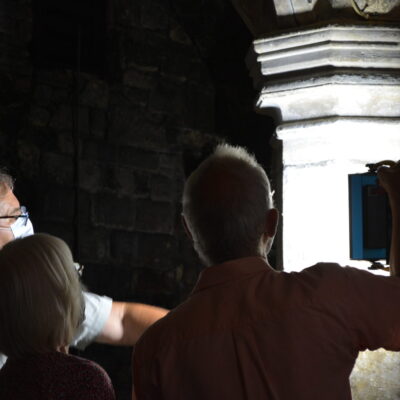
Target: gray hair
[
  {"x": 225, "y": 203},
  {"x": 6, "y": 179},
  {"x": 41, "y": 300}
]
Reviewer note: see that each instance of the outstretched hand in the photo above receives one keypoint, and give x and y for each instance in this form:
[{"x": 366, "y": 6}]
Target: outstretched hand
[
  {"x": 389, "y": 179},
  {"x": 389, "y": 176}
]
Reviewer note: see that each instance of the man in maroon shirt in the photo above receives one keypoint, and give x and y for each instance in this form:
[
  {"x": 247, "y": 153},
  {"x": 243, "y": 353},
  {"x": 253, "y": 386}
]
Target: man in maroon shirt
[{"x": 248, "y": 331}]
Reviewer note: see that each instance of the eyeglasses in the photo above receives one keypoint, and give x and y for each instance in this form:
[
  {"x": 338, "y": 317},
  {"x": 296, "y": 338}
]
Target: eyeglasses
[
  {"x": 24, "y": 215},
  {"x": 79, "y": 268}
]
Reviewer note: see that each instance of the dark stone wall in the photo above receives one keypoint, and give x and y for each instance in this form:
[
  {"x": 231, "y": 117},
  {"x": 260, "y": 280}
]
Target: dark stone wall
[{"x": 100, "y": 150}]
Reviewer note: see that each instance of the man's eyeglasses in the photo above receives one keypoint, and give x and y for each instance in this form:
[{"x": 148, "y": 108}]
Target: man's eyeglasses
[{"x": 24, "y": 215}]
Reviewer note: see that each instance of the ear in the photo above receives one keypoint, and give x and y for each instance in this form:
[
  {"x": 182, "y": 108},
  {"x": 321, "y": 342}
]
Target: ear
[
  {"x": 271, "y": 222},
  {"x": 187, "y": 230}
]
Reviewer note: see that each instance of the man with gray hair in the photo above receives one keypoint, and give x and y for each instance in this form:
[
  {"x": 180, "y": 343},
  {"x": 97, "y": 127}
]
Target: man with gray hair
[
  {"x": 106, "y": 321},
  {"x": 248, "y": 331}
]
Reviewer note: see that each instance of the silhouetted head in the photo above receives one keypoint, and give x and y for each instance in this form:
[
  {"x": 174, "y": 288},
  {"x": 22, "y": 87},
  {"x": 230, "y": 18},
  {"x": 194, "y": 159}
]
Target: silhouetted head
[{"x": 228, "y": 207}]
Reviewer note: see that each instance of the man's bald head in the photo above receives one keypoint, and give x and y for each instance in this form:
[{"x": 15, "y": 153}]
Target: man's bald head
[{"x": 225, "y": 203}]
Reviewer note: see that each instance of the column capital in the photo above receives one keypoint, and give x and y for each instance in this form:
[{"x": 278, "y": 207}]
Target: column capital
[{"x": 346, "y": 70}]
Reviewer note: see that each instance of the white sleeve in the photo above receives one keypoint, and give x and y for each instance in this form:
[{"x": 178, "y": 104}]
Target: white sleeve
[{"x": 97, "y": 311}]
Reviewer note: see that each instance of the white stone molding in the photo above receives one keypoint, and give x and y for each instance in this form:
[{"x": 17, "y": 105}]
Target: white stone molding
[
  {"x": 352, "y": 46},
  {"x": 325, "y": 96}
]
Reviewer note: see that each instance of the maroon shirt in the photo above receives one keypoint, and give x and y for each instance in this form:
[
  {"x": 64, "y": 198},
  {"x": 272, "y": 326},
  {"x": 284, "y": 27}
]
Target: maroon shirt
[
  {"x": 249, "y": 332},
  {"x": 54, "y": 376}
]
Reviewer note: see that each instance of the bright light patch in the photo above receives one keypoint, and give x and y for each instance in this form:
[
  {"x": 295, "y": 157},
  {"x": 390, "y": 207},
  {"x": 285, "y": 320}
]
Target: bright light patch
[{"x": 317, "y": 159}]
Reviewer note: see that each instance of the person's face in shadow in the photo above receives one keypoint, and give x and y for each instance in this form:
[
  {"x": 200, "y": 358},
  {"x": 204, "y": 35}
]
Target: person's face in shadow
[{"x": 9, "y": 206}]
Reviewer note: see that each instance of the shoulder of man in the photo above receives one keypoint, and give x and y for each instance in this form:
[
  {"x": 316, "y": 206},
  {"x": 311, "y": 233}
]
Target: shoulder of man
[
  {"x": 323, "y": 270},
  {"x": 164, "y": 334}
]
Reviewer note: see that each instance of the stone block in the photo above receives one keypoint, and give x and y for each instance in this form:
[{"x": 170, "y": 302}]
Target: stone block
[
  {"x": 124, "y": 96},
  {"x": 94, "y": 245},
  {"x": 7, "y": 23},
  {"x": 108, "y": 279},
  {"x": 99, "y": 151},
  {"x": 141, "y": 50},
  {"x": 24, "y": 85},
  {"x": 154, "y": 284},
  {"x": 124, "y": 181},
  {"x": 24, "y": 11},
  {"x": 58, "y": 204},
  {"x": 142, "y": 184},
  {"x": 163, "y": 188},
  {"x": 127, "y": 13},
  {"x": 124, "y": 247},
  {"x": 114, "y": 212},
  {"x": 28, "y": 157},
  {"x": 98, "y": 122},
  {"x": 158, "y": 251},
  {"x": 199, "y": 107},
  {"x": 135, "y": 96},
  {"x": 178, "y": 34},
  {"x": 65, "y": 143},
  {"x": 170, "y": 163},
  {"x": 7, "y": 84},
  {"x": 70, "y": 118},
  {"x": 39, "y": 116},
  {"x": 61, "y": 95},
  {"x": 91, "y": 176},
  {"x": 83, "y": 120},
  {"x": 155, "y": 217},
  {"x": 138, "y": 79},
  {"x": 57, "y": 168},
  {"x": 24, "y": 31},
  {"x": 57, "y": 78},
  {"x": 42, "y": 94},
  {"x": 140, "y": 159},
  {"x": 95, "y": 94},
  {"x": 62, "y": 229},
  {"x": 85, "y": 206},
  {"x": 154, "y": 16},
  {"x": 137, "y": 129},
  {"x": 122, "y": 121},
  {"x": 168, "y": 97},
  {"x": 62, "y": 117},
  {"x": 185, "y": 66}
]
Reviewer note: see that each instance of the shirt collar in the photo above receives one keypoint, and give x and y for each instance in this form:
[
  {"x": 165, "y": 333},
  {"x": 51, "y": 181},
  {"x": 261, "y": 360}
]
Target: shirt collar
[{"x": 230, "y": 270}]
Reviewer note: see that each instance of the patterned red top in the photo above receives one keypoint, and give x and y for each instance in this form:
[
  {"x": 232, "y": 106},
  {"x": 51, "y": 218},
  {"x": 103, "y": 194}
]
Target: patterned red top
[{"x": 54, "y": 376}]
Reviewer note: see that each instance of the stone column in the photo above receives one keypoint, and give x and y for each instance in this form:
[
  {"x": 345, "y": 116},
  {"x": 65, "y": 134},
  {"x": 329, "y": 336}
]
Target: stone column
[
  {"x": 334, "y": 90},
  {"x": 335, "y": 93}
]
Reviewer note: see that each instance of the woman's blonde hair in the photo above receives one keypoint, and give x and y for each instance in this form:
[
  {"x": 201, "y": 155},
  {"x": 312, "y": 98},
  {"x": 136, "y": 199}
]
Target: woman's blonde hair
[{"x": 41, "y": 300}]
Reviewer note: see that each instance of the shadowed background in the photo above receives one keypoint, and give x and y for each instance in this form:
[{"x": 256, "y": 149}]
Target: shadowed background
[{"x": 106, "y": 106}]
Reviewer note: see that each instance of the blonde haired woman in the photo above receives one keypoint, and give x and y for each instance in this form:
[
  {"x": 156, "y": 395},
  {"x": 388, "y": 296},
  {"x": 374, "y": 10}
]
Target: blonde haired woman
[{"x": 41, "y": 307}]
